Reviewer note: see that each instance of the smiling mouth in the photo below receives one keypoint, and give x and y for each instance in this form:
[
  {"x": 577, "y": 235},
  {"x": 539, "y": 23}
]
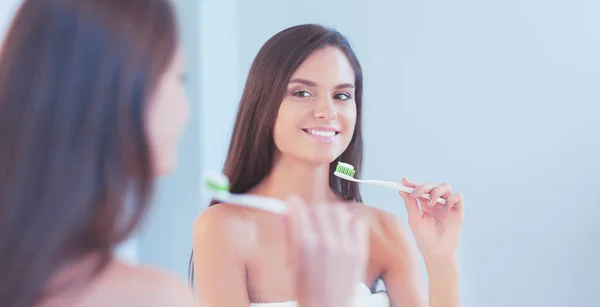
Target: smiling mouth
[{"x": 321, "y": 133}]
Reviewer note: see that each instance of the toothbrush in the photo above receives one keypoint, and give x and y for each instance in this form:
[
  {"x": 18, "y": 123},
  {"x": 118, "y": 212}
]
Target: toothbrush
[
  {"x": 347, "y": 171},
  {"x": 218, "y": 186}
]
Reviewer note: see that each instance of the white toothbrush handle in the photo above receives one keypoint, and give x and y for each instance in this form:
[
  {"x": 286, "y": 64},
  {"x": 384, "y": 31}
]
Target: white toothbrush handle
[
  {"x": 388, "y": 184},
  {"x": 259, "y": 202},
  {"x": 399, "y": 187}
]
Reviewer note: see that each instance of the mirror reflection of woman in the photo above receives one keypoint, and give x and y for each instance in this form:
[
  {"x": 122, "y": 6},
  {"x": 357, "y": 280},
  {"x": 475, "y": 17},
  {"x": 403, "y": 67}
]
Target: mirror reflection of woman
[{"x": 301, "y": 113}]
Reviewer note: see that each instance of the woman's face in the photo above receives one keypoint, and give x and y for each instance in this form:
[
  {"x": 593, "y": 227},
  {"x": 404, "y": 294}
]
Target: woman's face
[
  {"x": 167, "y": 114},
  {"x": 316, "y": 119}
]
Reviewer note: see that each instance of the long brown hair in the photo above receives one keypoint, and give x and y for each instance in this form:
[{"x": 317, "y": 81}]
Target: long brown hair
[
  {"x": 75, "y": 76},
  {"x": 251, "y": 150}
]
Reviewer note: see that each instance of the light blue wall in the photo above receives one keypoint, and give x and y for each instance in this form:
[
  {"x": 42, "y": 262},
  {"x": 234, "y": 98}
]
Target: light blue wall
[{"x": 7, "y": 11}]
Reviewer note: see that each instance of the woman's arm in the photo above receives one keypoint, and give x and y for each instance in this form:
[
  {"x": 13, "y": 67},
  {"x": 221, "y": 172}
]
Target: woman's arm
[
  {"x": 437, "y": 232},
  {"x": 405, "y": 288},
  {"x": 401, "y": 274},
  {"x": 437, "y": 229},
  {"x": 443, "y": 282},
  {"x": 219, "y": 258}
]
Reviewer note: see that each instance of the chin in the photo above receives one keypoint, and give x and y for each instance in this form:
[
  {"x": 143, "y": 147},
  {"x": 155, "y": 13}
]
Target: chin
[
  {"x": 322, "y": 157},
  {"x": 311, "y": 152}
]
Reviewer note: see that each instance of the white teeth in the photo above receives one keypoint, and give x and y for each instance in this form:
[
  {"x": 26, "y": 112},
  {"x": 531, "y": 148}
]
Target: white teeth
[{"x": 322, "y": 133}]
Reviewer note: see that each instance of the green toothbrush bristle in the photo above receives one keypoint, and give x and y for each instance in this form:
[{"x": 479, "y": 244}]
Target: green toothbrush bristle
[
  {"x": 345, "y": 170},
  {"x": 224, "y": 187}
]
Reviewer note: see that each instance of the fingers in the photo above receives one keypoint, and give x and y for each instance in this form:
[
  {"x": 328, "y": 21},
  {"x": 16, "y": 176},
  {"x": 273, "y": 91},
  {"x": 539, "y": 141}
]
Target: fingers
[
  {"x": 327, "y": 237},
  {"x": 409, "y": 183},
  {"x": 360, "y": 234},
  {"x": 435, "y": 193},
  {"x": 360, "y": 237},
  {"x": 294, "y": 220},
  {"x": 430, "y": 191},
  {"x": 342, "y": 219},
  {"x": 441, "y": 191},
  {"x": 455, "y": 201},
  {"x": 412, "y": 207},
  {"x": 422, "y": 190},
  {"x": 326, "y": 224},
  {"x": 330, "y": 265}
]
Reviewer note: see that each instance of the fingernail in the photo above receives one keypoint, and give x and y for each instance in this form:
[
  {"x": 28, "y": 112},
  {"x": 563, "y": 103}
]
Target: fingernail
[{"x": 414, "y": 192}]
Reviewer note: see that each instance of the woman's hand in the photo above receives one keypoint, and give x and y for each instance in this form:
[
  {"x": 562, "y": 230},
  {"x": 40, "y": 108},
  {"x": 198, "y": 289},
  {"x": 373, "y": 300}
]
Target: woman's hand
[
  {"x": 329, "y": 245},
  {"x": 437, "y": 228}
]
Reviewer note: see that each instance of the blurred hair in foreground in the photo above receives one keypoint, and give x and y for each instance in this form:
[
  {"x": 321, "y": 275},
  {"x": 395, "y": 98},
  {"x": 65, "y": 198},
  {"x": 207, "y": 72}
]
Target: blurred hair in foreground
[{"x": 76, "y": 171}]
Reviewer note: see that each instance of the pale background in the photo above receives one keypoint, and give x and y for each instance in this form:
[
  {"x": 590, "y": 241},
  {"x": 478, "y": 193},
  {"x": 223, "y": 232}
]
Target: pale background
[{"x": 499, "y": 98}]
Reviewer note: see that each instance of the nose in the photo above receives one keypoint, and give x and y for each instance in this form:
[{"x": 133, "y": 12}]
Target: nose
[{"x": 325, "y": 109}]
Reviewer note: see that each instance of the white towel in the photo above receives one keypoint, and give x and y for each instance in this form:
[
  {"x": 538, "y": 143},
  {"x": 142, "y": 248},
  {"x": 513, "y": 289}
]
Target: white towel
[{"x": 364, "y": 298}]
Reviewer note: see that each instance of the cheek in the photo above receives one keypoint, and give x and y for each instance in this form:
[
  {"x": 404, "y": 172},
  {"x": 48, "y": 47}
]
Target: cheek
[
  {"x": 167, "y": 116},
  {"x": 347, "y": 117},
  {"x": 158, "y": 130},
  {"x": 286, "y": 126},
  {"x": 181, "y": 107}
]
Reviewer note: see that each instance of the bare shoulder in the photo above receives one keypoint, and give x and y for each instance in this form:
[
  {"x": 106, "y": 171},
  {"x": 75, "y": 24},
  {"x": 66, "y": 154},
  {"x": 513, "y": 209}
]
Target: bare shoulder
[
  {"x": 388, "y": 232},
  {"x": 128, "y": 285},
  {"x": 224, "y": 242},
  {"x": 226, "y": 226},
  {"x": 220, "y": 217},
  {"x": 168, "y": 290},
  {"x": 387, "y": 222}
]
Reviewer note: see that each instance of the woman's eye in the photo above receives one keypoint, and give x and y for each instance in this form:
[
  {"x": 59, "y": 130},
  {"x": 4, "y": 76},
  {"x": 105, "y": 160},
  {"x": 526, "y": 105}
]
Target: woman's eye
[
  {"x": 343, "y": 96},
  {"x": 302, "y": 94}
]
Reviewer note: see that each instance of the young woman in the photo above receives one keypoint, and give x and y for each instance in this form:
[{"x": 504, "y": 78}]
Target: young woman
[
  {"x": 300, "y": 113},
  {"x": 92, "y": 106}
]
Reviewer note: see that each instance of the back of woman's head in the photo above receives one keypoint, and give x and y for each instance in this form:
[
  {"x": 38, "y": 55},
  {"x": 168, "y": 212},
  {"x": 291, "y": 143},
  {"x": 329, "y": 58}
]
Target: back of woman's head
[{"x": 74, "y": 79}]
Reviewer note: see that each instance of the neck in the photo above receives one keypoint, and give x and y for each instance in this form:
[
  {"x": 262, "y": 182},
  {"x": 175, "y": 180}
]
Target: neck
[{"x": 292, "y": 176}]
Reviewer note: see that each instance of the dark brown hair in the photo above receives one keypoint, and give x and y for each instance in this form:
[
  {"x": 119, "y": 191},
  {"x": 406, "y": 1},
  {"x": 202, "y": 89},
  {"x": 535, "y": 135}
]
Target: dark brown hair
[
  {"x": 251, "y": 150},
  {"x": 76, "y": 172}
]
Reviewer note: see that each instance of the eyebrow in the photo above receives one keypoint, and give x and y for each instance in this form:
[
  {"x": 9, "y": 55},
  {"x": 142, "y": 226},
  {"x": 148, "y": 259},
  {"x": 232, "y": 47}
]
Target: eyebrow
[{"x": 311, "y": 83}]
